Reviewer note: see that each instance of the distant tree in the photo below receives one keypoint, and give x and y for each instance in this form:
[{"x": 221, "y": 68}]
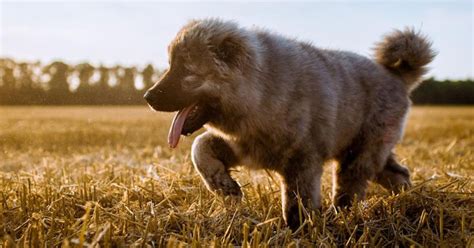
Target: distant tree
[
  {"x": 125, "y": 92},
  {"x": 127, "y": 80},
  {"x": 84, "y": 92},
  {"x": 29, "y": 91},
  {"x": 58, "y": 86},
  {"x": 25, "y": 81},
  {"x": 7, "y": 85},
  {"x": 104, "y": 78},
  {"x": 8, "y": 79},
  {"x": 147, "y": 75},
  {"x": 85, "y": 71}
]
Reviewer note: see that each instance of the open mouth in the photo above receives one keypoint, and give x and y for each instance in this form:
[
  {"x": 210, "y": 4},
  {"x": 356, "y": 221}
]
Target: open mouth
[{"x": 187, "y": 121}]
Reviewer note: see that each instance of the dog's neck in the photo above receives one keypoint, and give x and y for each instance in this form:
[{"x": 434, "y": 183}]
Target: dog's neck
[{"x": 238, "y": 118}]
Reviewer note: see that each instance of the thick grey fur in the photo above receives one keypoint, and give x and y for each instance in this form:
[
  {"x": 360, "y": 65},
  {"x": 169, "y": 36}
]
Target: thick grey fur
[{"x": 288, "y": 106}]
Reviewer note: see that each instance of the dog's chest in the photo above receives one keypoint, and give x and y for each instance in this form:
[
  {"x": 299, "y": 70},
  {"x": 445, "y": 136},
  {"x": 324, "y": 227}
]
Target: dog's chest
[
  {"x": 265, "y": 152},
  {"x": 259, "y": 147}
]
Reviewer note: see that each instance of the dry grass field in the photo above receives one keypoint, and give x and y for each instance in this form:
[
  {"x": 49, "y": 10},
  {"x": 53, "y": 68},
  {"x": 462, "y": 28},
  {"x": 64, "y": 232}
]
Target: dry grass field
[{"x": 104, "y": 176}]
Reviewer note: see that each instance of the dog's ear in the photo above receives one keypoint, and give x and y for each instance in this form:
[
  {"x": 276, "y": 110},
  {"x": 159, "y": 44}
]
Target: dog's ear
[{"x": 231, "y": 50}]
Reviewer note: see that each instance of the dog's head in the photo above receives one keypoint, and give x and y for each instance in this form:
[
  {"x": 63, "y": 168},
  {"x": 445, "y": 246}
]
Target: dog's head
[{"x": 206, "y": 59}]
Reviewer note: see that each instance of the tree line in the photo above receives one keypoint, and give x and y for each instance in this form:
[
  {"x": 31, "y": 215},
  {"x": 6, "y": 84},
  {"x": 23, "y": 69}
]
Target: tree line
[{"x": 58, "y": 83}]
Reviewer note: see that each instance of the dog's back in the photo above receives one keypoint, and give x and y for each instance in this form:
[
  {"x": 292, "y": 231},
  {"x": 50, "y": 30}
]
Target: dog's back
[{"x": 319, "y": 98}]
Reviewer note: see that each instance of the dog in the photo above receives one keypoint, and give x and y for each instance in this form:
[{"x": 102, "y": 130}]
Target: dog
[{"x": 271, "y": 102}]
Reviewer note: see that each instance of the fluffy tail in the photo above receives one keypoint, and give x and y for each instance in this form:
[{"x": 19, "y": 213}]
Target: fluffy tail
[{"x": 405, "y": 53}]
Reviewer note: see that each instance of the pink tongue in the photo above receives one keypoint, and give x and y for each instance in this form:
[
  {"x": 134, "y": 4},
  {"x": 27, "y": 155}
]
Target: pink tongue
[{"x": 177, "y": 126}]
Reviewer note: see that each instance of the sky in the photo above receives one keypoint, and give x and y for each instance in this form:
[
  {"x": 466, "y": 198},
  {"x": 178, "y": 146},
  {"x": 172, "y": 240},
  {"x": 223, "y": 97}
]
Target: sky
[{"x": 137, "y": 33}]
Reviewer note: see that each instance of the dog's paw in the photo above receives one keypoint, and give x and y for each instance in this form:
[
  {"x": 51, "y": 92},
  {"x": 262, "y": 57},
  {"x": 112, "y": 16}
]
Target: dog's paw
[
  {"x": 230, "y": 188},
  {"x": 394, "y": 178},
  {"x": 400, "y": 182},
  {"x": 225, "y": 186},
  {"x": 292, "y": 218},
  {"x": 343, "y": 200}
]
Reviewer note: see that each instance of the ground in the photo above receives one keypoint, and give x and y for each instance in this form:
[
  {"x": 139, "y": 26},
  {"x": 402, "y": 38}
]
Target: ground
[{"x": 105, "y": 176}]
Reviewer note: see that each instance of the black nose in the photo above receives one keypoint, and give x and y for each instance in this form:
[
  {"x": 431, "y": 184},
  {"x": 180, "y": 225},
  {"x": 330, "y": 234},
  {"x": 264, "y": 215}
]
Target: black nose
[{"x": 148, "y": 96}]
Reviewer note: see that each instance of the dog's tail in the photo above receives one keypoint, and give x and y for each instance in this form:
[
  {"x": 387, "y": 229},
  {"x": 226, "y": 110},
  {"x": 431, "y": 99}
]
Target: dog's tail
[{"x": 405, "y": 53}]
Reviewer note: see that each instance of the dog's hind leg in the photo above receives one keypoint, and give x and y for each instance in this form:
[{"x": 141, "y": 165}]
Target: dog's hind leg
[
  {"x": 212, "y": 157},
  {"x": 370, "y": 157},
  {"x": 393, "y": 177},
  {"x": 351, "y": 179},
  {"x": 360, "y": 162}
]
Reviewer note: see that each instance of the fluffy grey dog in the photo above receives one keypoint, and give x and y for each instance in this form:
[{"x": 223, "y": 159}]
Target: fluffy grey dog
[{"x": 276, "y": 103}]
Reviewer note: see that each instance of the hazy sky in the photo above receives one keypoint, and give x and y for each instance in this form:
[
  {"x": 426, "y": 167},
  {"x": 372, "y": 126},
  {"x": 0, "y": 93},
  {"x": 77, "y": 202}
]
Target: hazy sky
[{"x": 138, "y": 32}]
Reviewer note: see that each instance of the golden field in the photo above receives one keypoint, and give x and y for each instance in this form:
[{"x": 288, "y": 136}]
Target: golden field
[{"x": 105, "y": 177}]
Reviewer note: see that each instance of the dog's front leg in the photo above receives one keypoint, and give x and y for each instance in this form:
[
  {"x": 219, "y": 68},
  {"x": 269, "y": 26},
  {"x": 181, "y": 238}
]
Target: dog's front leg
[
  {"x": 212, "y": 157},
  {"x": 301, "y": 183}
]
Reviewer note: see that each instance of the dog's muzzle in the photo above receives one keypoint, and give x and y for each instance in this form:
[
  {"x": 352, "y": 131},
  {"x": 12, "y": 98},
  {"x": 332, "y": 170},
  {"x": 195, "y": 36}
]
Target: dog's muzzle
[
  {"x": 153, "y": 100},
  {"x": 167, "y": 101}
]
